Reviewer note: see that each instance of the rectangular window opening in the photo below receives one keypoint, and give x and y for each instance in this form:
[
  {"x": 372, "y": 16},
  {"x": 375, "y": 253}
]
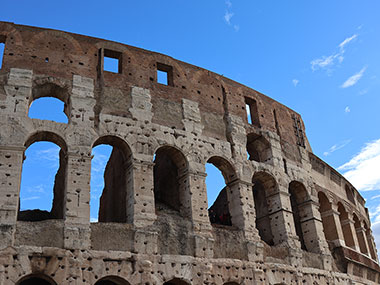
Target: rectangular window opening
[
  {"x": 252, "y": 113},
  {"x": 112, "y": 61},
  {"x": 2, "y": 50},
  {"x": 164, "y": 74}
]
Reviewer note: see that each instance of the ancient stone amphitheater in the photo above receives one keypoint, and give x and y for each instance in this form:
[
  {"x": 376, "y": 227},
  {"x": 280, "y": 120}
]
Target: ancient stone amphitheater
[{"x": 286, "y": 216}]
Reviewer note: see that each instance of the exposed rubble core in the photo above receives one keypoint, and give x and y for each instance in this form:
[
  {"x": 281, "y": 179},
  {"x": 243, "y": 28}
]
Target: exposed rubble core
[{"x": 283, "y": 217}]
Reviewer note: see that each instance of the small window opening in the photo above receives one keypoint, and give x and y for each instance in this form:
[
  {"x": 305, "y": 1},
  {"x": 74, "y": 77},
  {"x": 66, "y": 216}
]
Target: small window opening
[
  {"x": 258, "y": 148},
  {"x": 43, "y": 183},
  {"x": 48, "y": 108},
  {"x": 2, "y": 50},
  {"x": 298, "y": 130},
  {"x": 219, "y": 213},
  {"x": 112, "y": 61},
  {"x": 164, "y": 74},
  {"x": 252, "y": 113}
]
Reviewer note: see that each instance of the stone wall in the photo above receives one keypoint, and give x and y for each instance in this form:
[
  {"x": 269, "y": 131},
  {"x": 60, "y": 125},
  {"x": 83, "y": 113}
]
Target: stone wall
[{"x": 292, "y": 218}]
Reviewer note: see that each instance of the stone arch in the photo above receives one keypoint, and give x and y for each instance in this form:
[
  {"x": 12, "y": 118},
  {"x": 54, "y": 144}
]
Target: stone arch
[
  {"x": 220, "y": 211},
  {"x": 59, "y": 189},
  {"x": 113, "y": 201},
  {"x": 328, "y": 221},
  {"x": 298, "y": 199},
  {"x": 112, "y": 280},
  {"x": 368, "y": 235},
  {"x": 264, "y": 185},
  {"x": 176, "y": 281},
  {"x": 170, "y": 173},
  {"x": 258, "y": 148},
  {"x": 346, "y": 226},
  {"x": 55, "y": 37},
  {"x": 360, "y": 234},
  {"x": 33, "y": 279},
  {"x": 350, "y": 193}
]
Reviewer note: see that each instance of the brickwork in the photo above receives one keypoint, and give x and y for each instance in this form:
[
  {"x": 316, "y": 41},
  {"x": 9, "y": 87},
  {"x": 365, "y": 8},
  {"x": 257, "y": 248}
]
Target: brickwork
[{"x": 292, "y": 218}]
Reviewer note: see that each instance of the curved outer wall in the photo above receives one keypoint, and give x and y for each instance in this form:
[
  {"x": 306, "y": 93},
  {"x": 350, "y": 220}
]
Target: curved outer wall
[{"x": 316, "y": 227}]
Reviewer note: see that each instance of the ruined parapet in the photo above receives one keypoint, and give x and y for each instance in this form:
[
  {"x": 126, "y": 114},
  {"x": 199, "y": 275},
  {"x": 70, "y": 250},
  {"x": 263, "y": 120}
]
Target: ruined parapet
[{"x": 291, "y": 218}]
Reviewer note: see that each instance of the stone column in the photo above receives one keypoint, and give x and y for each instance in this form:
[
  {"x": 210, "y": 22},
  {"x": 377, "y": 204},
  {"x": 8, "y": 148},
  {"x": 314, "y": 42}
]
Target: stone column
[
  {"x": 332, "y": 227},
  {"x": 82, "y": 101},
  {"x": 11, "y": 159},
  {"x": 312, "y": 226},
  {"x": 77, "y": 201},
  {"x": 281, "y": 217}
]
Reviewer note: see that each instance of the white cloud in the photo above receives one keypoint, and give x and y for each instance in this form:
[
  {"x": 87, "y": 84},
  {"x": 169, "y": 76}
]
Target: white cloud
[
  {"x": 376, "y": 234},
  {"x": 236, "y": 28},
  {"x": 326, "y": 62},
  {"x": 228, "y": 16},
  {"x": 354, "y": 78},
  {"x": 363, "y": 92},
  {"x": 228, "y": 3},
  {"x": 30, "y": 198},
  {"x": 295, "y": 82},
  {"x": 94, "y": 220},
  {"x": 336, "y": 147},
  {"x": 363, "y": 169},
  {"x": 347, "y": 109}
]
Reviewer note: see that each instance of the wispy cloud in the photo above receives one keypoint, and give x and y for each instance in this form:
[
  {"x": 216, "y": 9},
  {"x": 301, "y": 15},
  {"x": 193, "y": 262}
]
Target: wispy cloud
[
  {"x": 327, "y": 62},
  {"x": 347, "y": 109},
  {"x": 354, "y": 78},
  {"x": 36, "y": 189},
  {"x": 228, "y": 16},
  {"x": 363, "y": 169},
  {"x": 295, "y": 82},
  {"x": 336, "y": 147},
  {"x": 30, "y": 198}
]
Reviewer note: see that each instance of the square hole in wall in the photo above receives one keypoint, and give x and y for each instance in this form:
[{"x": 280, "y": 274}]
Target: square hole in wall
[
  {"x": 252, "y": 113},
  {"x": 112, "y": 61},
  {"x": 2, "y": 49},
  {"x": 164, "y": 74}
]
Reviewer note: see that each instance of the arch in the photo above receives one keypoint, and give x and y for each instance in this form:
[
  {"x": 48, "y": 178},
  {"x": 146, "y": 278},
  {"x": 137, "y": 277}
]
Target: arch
[
  {"x": 264, "y": 184},
  {"x": 360, "y": 235},
  {"x": 298, "y": 197},
  {"x": 176, "y": 281},
  {"x": 59, "y": 189},
  {"x": 112, "y": 280},
  {"x": 33, "y": 279},
  {"x": 368, "y": 236},
  {"x": 346, "y": 226},
  {"x": 170, "y": 173},
  {"x": 220, "y": 212},
  {"x": 113, "y": 200},
  {"x": 350, "y": 194},
  {"x": 258, "y": 148},
  {"x": 328, "y": 221},
  {"x": 50, "y": 89}
]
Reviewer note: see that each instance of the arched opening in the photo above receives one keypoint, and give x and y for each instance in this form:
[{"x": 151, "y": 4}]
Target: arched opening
[
  {"x": 35, "y": 279},
  {"x": 44, "y": 168},
  {"x": 170, "y": 180},
  {"x": 346, "y": 226},
  {"x": 219, "y": 172},
  {"x": 113, "y": 200},
  {"x": 368, "y": 235},
  {"x": 258, "y": 148},
  {"x": 360, "y": 235},
  {"x": 350, "y": 194},
  {"x": 176, "y": 281},
  {"x": 328, "y": 222},
  {"x": 112, "y": 280},
  {"x": 298, "y": 197},
  {"x": 263, "y": 185},
  {"x": 50, "y": 102}
]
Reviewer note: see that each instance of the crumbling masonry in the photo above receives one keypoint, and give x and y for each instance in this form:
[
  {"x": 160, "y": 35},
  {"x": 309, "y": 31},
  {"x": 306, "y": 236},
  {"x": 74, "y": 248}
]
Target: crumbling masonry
[{"x": 289, "y": 217}]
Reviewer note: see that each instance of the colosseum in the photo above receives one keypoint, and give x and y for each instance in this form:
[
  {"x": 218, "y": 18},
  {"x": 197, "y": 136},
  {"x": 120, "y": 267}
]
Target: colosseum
[{"x": 288, "y": 217}]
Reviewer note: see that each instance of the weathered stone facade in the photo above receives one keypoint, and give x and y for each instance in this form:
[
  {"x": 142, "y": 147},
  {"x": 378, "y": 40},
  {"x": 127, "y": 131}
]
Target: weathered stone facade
[{"x": 292, "y": 218}]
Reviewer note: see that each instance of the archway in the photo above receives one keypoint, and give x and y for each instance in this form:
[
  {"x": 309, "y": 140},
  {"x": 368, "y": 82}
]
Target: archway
[
  {"x": 112, "y": 280},
  {"x": 360, "y": 235},
  {"x": 44, "y": 167},
  {"x": 176, "y": 281},
  {"x": 263, "y": 185},
  {"x": 258, "y": 148},
  {"x": 113, "y": 200},
  {"x": 50, "y": 102},
  {"x": 328, "y": 222},
  {"x": 170, "y": 183},
  {"x": 35, "y": 279},
  {"x": 350, "y": 194},
  {"x": 219, "y": 211},
  {"x": 346, "y": 226},
  {"x": 298, "y": 196}
]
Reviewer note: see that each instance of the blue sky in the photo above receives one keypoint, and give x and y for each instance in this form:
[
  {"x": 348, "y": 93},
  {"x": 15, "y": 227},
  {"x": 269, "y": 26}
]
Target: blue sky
[{"x": 320, "y": 58}]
